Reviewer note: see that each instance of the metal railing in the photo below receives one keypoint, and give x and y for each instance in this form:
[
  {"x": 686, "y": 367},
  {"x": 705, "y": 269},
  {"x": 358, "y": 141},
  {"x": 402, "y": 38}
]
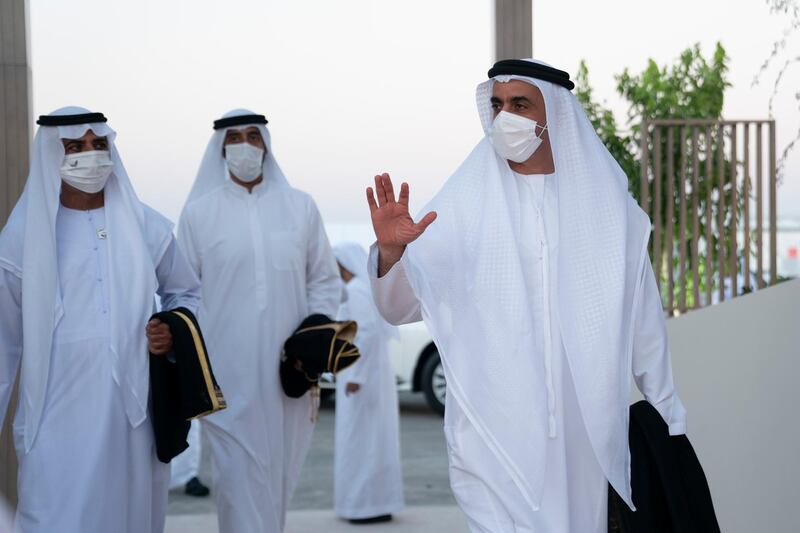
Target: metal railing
[{"x": 709, "y": 219}]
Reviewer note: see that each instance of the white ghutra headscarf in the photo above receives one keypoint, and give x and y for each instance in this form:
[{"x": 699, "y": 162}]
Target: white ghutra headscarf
[
  {"x": 466, "y": 271},
  {"x": 213, "y": 171},
  {"x": 28, "y": 250},
  {"x": 353, "y": 257}
]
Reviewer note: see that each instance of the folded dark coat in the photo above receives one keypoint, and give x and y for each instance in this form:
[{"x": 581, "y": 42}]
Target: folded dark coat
[
  {"x": 670, "y": 490},
  {"x": 321, "y": 345},
  {"x": 182, "y": 384}
]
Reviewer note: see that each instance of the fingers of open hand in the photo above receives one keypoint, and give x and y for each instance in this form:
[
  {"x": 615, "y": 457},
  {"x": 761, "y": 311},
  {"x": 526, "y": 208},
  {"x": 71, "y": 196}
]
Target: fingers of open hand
[
  {"x": 380, "y": 191},
  {"x": 387, "y": 185},
  {"x": 403, "y": 198},
  {"x": 373, "y": 206}
]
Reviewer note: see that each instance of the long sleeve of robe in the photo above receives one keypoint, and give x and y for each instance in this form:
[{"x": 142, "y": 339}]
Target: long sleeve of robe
[
  {"x": 393, "y": 293},
  {"x": 178, "y": 285},
  {"x": 652, "y": 364},
  {"x": 323, "y": 286},
  {"x": 10, "y": 335}
]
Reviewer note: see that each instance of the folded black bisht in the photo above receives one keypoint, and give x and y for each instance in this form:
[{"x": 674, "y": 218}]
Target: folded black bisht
[
  {"x": 321, "y": 345},
  {"x": 182, "y": 385},
  {"x": 670, "y": 490}
]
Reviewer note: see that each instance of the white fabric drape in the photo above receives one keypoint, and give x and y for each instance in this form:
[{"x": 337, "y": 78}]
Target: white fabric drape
[
  {"x": 466, "y": 271},
  {"x": 81, "y": 394},
  {"x": 213, "y": 172},
  {"x": 187, "y": 464},
  {"x": 264, "y": 264},
  {"x": 28, "y": 249},
  {"x": 368, "y": 479}
]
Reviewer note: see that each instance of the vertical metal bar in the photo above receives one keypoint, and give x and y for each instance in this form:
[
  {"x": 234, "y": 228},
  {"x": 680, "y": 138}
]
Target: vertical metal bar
[
  {"x": 644, "y": 185},
  {"x": 658, "y": 252},
  {"x": 709, "y": 179},
  {"x": 670, "y": 229},
  {"x": 696, "y": 216},
  {"x": 513, "y": 29},
  {"x": 721, "y": 210},
  {"x": 682, "y": 224},
  {"x": 773, "y": 207},
  {"x": 734, "y": 263},
  {"x": 746, "y": 200},
  {"x": 759, "y": 206}
]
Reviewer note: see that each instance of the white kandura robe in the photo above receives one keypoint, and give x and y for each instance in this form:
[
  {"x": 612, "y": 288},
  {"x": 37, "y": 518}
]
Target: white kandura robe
[
  {"x": 89, "y": 470},
  {"x": 575, "y": 489},
  {"x": 186, "y": 465},
  {"x": 265, "y": 264},
  {"x": 368, "y": 479}
]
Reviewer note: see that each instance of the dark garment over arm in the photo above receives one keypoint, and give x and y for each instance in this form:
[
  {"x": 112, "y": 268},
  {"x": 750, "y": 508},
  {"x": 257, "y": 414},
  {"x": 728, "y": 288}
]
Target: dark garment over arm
[
  {"x": 182, "y": 384},
  {"x": 670, "y": 490}
]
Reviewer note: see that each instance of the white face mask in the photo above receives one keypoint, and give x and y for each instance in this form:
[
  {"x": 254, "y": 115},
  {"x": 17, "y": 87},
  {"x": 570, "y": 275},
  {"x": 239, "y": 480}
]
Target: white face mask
[
  {"x": 514, "y": 137},
  {"x": 87, "y": 171},
  {"x": 244, "y": 161}
]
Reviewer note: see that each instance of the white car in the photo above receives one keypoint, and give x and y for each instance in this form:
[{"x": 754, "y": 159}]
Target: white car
[{"x": 416, "y": 366}]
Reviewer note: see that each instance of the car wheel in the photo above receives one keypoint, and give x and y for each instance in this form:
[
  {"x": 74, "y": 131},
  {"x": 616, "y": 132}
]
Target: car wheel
[{"x": 433, "y": 383}]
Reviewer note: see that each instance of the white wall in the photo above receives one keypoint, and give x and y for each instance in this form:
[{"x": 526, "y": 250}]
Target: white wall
[{"x": 737, "y": 367}]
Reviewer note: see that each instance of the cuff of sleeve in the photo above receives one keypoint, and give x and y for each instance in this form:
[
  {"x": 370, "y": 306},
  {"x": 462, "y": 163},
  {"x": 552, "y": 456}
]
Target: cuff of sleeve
[
  {"x": 398, "y": 269},
  {"x": 677, "y": 428},
  {"x": 673, "y": 413}
]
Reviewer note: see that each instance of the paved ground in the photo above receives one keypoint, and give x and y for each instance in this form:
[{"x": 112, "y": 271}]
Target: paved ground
[
  {"x": 424, "y": 467},
  {"x": 431, "y": 519}
]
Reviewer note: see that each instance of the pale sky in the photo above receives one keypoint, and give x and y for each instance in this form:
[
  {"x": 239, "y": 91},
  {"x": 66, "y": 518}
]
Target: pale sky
[{"x": 356, "y": 87}]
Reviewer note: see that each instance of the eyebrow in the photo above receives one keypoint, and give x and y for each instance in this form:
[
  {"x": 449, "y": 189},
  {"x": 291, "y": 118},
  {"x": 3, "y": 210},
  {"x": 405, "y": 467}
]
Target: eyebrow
[{"x": 521, "y": 99}]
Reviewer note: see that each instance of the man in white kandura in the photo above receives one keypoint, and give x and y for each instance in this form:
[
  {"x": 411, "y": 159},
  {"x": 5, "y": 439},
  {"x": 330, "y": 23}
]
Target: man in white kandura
[
  {"x": 536, "y": 286},
  {"x": 265, "y": 264},
  {"x": 81, "y": 261},
  {"x": 368, "y": 478}
]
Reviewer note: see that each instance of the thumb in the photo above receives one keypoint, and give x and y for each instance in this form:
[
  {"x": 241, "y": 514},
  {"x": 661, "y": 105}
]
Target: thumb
[{"x": 426, "y": 221}]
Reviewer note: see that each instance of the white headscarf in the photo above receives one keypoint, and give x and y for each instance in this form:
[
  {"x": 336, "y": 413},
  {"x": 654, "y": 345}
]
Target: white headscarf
[
  {"x": 353, "y": 257},
  {"x": 28, "y": 249},
  {"x": 213, "y": 172},
  {"x": 466, "y": 271}
]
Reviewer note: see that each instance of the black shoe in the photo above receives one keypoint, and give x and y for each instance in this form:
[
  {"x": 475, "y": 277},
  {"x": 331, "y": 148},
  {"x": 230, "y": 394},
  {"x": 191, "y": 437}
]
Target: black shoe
[
  {"x": 372, "y": 520},
  {"x": 195, "y": 487}
]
